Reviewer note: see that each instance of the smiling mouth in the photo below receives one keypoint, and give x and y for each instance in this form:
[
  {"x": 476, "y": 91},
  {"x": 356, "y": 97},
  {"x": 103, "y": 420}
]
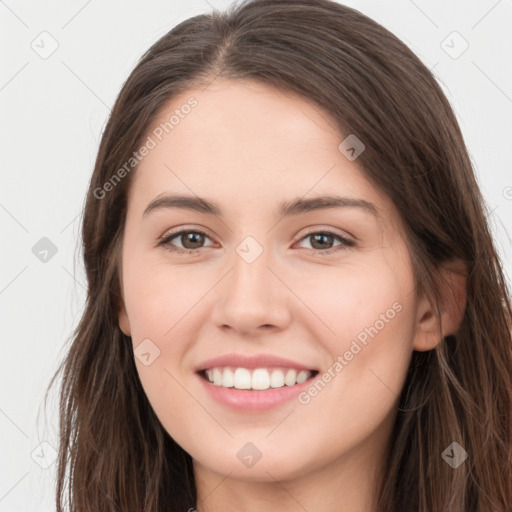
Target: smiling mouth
[{"x": 257, "y": 379}]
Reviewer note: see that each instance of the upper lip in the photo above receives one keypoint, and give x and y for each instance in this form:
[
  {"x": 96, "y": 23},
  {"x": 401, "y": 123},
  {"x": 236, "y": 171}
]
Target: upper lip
[{"x": 254, "y": 361}]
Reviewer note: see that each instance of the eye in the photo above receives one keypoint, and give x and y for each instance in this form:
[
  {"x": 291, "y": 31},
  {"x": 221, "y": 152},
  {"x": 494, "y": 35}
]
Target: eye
[
  {"x": 191, "y": 240},
  {"x": 320, "y": 240}
]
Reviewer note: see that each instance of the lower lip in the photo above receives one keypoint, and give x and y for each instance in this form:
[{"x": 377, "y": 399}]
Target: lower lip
[{"x": 244, "y": 400}]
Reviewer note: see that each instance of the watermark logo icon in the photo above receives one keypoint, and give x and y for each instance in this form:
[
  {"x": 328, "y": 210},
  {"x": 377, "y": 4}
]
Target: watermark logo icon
[
  {"x": 146, "y": 352},
  {"x": 351, "y": 147},
  {"x": 45, "y": 45},
  {"x": 249, "y": 249},
  {"x": 454, "y": 455},
  {"x": 44, "y": 250},
  {"x": 249, "y": 455},
  {"x": 44, "y": 455},
  {"x": 454, "y": 45}
]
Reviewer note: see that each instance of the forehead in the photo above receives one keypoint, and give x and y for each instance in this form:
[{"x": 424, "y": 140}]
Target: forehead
[
  {"x": 260, "y": 108},
  {"x": 244, "y": 142}
]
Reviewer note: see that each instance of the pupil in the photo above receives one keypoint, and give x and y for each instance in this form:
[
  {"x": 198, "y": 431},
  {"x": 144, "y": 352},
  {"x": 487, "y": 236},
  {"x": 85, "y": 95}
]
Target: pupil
[
  {"x": 189, "y": 237},
  {"x": 324, "y": 236}
]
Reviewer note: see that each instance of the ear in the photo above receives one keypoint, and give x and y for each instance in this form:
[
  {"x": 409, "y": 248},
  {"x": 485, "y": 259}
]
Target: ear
[
  {"x": 451, "y": 282},
  {"x": 124, "y": 323}
]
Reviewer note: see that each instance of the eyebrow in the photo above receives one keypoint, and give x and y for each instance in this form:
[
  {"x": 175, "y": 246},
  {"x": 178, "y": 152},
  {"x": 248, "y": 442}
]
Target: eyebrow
[{"x": 287, "y": 208}]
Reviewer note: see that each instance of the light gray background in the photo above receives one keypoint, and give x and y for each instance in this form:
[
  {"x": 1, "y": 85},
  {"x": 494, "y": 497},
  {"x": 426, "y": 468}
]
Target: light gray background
[{"x": 53, "y": 111}]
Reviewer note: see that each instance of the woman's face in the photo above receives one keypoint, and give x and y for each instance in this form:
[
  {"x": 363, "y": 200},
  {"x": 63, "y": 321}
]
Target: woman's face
[{"x": 260, "y": 283}]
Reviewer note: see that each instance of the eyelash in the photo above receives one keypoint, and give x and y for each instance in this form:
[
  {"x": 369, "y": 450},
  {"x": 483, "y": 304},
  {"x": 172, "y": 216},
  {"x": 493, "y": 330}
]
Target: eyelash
[{"x": 345, "y": 242}]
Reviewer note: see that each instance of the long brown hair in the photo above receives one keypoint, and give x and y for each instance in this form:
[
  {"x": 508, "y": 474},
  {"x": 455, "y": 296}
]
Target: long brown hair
[{"x": 119, "y": 456}]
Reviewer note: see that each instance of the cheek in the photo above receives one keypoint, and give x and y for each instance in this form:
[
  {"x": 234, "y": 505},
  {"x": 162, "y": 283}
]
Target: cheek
[
  {"x": 158, "y": 299},
  {"x": 370, "y": 313},
  {"x": 160, "y": 305},
  {"x": 352, "y": 298}
]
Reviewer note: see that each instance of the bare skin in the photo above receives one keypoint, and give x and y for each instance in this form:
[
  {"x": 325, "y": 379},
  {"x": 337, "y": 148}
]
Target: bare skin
[{"x": 248, "y": 147}]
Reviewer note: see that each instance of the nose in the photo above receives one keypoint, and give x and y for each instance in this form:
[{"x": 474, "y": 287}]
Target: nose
[{"x": 251, "y": 298}]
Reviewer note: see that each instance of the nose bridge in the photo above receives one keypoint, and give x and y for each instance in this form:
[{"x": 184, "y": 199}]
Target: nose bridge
[
  {"x": 250, "y": 266},
  {"x": 251, "y": 295}
]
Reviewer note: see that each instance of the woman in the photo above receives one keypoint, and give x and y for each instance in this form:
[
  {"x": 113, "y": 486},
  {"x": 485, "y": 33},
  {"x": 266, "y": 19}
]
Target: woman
[{"x": 220, "y": 362}]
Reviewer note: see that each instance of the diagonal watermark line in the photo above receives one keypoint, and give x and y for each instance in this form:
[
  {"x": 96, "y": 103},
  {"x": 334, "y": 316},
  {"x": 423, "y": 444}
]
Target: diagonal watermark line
[
  {"x": 14, "y": 76},
  {"x": 14, "y": 218},
  {"x": 218, "y": 75},
  {"x": 211, "y": 492},
  {"x": 424, "y": 14},
  {"x": 313, "y": 106},
  {"x": 301, "y": 300},
  {"x": 70, "y": 222},
  {"x": 213, "y": 8},
  {"x": 383, "y": 382},
  {"x": 278, "y": 483},
  {"x": 74, "y": 278},
  {"x": 198, "y": 301},
  {"x": 75, "y": 15},
  {"x": 12, "y": 280},
  {"x": 85, "y": 84},
  {"x": 291, "y": 412},
  {"x": 504, "y": 229},
  {"x": 205, "y": 409},
  {"x": 13, "y": 423},
  {"x": 307, "y": 192},
  {"x": 7, "y": 7},
  {"x": 492, "y": 81},
  {"x": 488, "y": 214},
  {"x": 486, "y": 14},
  {"x": 14, "y": 486}
]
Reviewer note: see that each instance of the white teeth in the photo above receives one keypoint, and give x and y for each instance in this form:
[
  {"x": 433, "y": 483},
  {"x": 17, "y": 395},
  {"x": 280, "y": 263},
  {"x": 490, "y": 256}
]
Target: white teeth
[
  {"x": 277, "y": 379},
  {"x": 259, "y": 379},
  {"x": 242, "y": 379},
  {"x": 217, "y": 377},
  {"x": 302, "y": 376},
  {"x": 290, "y": 378},
  {"x": 228, "y": 378}
]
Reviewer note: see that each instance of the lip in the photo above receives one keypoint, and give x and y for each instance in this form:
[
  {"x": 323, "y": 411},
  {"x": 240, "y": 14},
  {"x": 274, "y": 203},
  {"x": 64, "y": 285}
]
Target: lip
[
  {"x": 246, "y": 401},
  {"x": 254, "y": 361}
]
